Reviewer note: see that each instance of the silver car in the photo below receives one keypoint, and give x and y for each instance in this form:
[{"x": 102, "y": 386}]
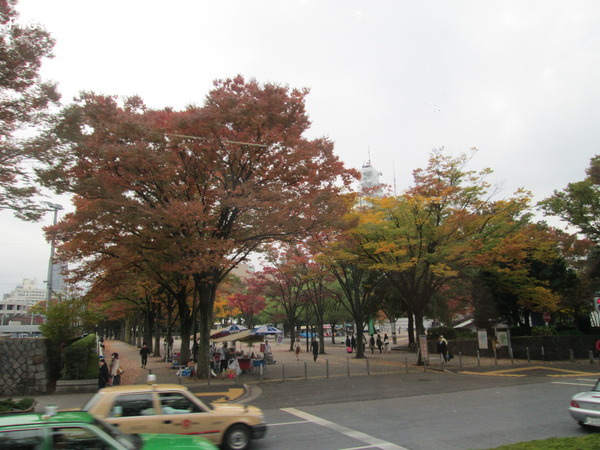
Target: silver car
[{"x": 585, "y": 407}]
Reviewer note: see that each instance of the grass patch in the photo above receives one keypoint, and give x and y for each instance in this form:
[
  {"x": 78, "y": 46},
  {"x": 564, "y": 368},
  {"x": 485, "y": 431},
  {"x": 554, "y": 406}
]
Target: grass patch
[{"x": 589, "y": 442}]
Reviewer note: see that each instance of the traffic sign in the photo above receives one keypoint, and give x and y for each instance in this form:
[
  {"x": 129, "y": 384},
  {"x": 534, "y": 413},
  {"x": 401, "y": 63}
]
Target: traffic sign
[{"x": 547, "y": 317}]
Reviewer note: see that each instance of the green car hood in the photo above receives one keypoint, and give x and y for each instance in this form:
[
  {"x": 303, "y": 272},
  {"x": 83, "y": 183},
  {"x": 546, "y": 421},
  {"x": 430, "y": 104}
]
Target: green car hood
[{"x": 153, "y": 441}]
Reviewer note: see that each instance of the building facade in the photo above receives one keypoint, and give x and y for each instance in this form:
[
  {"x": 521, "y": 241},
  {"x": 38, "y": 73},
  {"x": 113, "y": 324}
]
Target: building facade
[{"x": 22, "y": 298}]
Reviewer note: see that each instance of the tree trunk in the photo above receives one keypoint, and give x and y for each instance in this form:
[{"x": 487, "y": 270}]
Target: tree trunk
[
  {"x": 206, "y": 299},
  {"x": 411, "y": 329},
  {"x": 186, "y": 323},
  {"x": 158, "y": 332}
]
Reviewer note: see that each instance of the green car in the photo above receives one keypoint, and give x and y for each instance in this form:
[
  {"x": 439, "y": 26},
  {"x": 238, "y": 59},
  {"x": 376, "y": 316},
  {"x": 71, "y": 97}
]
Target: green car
[{"x": 80, "y": 430}]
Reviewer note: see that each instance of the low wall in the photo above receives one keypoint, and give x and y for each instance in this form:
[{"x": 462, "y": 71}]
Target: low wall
[
  {"x": 23, "y": 366},
  {"x": 555, "y": 348}
]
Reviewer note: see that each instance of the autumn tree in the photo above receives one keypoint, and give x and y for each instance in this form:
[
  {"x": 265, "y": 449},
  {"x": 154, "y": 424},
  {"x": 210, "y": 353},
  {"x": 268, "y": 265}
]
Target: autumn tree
[
  {"x": 281, "y": 282},
  {"x": 250, "y": 304},
  {"x": 441, "y": 229},
  {"x": 343, "y": 255},
  {"x": 524, "y": 274},
  {"x": 24, "y": 103},
  {"x": 185, "y": 196}
]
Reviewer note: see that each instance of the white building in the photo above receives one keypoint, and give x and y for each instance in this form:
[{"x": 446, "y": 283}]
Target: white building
[
  {"x": 369, "y": 176},
  {"x": 23, "y": 297}
]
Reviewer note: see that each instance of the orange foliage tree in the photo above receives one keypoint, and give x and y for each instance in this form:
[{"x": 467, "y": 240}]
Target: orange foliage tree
[{"x": 184, "y": 196}]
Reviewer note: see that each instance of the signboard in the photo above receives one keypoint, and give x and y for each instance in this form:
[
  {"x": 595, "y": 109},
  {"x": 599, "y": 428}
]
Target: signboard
[
  {"x": 547, "y": 317},
  {"x": 482, "y": 339},
  {"x": 423, "y": 347},
  {"x": 502, "y": 337}
]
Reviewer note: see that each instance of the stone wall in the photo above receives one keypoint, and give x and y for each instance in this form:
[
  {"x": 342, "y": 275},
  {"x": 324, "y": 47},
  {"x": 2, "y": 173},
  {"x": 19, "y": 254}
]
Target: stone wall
[{"x": 23, "y": 366}]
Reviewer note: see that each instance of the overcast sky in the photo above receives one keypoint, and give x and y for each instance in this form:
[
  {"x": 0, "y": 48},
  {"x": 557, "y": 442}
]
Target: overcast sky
[{"x": 519, "y": 80}]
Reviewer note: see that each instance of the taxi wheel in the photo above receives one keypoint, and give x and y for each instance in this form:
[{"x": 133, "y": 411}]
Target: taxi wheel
[{"x": 237, "y": 437}]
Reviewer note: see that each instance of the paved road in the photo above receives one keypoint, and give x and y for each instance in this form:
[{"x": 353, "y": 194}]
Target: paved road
[{"x": 388, "y": 402}]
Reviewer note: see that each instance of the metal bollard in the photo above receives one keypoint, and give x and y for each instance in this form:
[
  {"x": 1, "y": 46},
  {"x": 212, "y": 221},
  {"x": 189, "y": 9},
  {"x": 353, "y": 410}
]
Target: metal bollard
[
  {"x": 460, "y": 366},
  {"x": 327, "y": 368},
  {"x": 283, "y": 372},
  {"x": 543, "y": 356},
  {"x": 510, "y": 352},
  {"x": 571, "y": 355},
  {"x": 368, "y": 367},
  {"x": 527, "y": 350},
  {"x": 305, "y": 371},
  {"x": 478, "y": 359}
]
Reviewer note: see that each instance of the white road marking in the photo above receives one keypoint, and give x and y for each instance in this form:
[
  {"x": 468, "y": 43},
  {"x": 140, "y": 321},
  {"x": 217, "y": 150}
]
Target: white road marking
[
  {"x": 572, "y": 384},
  {"x": 367, "y": 439},
  {"x": 289, "y": 423}
]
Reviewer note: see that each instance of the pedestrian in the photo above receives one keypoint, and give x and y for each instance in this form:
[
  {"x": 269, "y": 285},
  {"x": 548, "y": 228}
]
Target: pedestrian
[
  {"x": 379, "y": 342},
  {"x": 314, "y": 345},
  {"x": 115, "y": 370},
  {"x": 103, "y": 374},
  {"x": 353, "y": 342},
  {"x": 297, "y": 346},
  {"x": 442, "y": 349},
  {"x": 144, "y": 352},
  {"x": 195, "y": 350},
  {"x": 372, "y": 344},
  {"x": 386, "y": 343},
  {"x": 224, "y": 357}
]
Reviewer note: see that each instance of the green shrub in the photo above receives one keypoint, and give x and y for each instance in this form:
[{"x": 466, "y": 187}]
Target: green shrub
[
  {"x": 8, "y": 404},
  {"x": 435, "y": 332},
  {"x": 80, "y": 359},
  {"x": 543, "y": 331}
]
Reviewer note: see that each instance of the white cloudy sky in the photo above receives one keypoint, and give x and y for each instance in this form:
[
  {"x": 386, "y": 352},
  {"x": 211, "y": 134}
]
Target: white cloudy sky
[{"x": 519, "y": 80}]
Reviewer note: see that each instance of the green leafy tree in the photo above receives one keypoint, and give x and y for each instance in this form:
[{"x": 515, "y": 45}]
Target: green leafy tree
[{"x": 579, "y": 203}]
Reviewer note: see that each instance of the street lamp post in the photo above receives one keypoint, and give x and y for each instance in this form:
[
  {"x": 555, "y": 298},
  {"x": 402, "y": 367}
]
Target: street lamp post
[{"x": 53, "y": 207}]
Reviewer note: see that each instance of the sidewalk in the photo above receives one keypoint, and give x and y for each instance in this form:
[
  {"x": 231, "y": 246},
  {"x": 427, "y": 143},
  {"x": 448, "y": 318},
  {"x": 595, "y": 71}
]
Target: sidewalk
[{"x": 336, "y": 362}]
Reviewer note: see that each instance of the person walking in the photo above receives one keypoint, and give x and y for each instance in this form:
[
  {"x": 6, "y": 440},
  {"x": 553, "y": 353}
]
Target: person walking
[
  {"x": 386, "y": 343},
  {"x": 144, "y": 352},
  {"x": 314, "y": 345},
  {"x": 353, "y": 342},
  {"x": 224, "y": 357},
  {"x": 372, "y": 344},
  {"x": 115, "y": 370},
  {"x": 442, "y": 349},
  {"x": 379, "y": 343},
  {"x": 297, "y": 346},
  {"x": 103, "y": 374}
]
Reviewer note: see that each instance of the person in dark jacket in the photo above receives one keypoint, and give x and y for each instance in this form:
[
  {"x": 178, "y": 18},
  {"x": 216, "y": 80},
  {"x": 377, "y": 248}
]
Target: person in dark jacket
[
  {"x": 442, "y": 349},
  {"x": 103, "y": 374},
  {"x": 379, "y": 342},
  {"x": 314, "y": 345},
  {"x": 144, "y": 352}
]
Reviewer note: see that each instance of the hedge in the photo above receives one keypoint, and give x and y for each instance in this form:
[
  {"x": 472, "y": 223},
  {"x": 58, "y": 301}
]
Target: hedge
[{"x": 80, "y": 360}]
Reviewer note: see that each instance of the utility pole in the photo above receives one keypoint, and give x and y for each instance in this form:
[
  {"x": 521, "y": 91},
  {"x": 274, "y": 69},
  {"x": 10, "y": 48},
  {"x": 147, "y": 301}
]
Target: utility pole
[{"x": 53, "y": 207}]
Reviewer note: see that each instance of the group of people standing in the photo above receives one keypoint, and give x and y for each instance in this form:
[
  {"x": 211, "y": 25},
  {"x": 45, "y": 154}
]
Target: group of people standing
[
  {"x": 110, "y": 375},
  {"x": 382, "y": 345}
]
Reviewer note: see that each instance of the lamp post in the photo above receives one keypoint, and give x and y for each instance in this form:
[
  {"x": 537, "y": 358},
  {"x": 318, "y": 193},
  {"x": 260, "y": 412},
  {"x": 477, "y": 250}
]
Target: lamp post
[{"x": 53, "y": 207}]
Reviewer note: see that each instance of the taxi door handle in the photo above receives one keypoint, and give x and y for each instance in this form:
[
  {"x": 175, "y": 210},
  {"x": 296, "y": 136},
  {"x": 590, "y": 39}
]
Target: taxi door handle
[{"x": 167, "y": 421}]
